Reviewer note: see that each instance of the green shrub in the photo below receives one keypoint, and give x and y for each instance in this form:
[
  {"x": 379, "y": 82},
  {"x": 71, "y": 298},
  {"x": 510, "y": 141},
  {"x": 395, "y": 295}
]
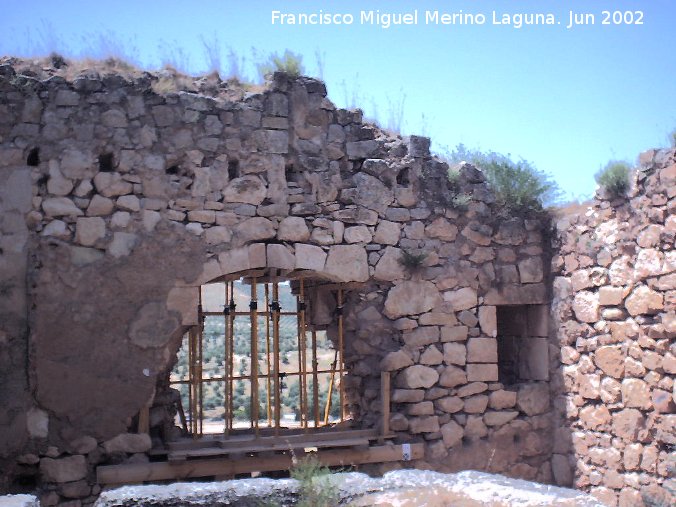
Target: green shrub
[
  {"x": 290, "y": 63},
  {"x": 412, "y": 260},
  {"x": 315, "y": 486},
  {"x": 614, "y": 178},
  {"x": 518, "y": 186}
]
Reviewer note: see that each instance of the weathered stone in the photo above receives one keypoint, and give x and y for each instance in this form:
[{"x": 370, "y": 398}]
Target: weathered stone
[
  {"x": 57, "y": 184},
  {"x": 452, "y": 433},
  {"x": 454, "y": 334},
  {"x": 255, "y": 229},
  {"x": 533, "y": 399},
  {"x": 389, "y": 267},
  {"x": 247, "y": 189},
  {"x": 37, "y": 423},
  {"x": 452, "y": 376},
  {"x": 411, "y": 298},
  {"x": 475, "y": 427},
  {"x": 628, "y": 423},
  {"x": 498, "y": 418},
  {"x": 482, "y": 350},
  {"x": 609, "y": 296},
  {"x": 417, "y": 376},
  {"x": 635, "y": 393},
  {"x": 59, "y": 207},
  {"x": 396, "y": 361},
  {"x": 431, "y": 356},
  {"x": 482, "y": 372},
  {"x": 407, "y": 395},
  {"x": 347, "y": 263},
  {"x": 111, "y": 184},
  {"x": 476, "y": 404},
  {"x": 488, "y": 320},
  {"x": 424, "y": 424},
  {"x": 442, "y": 229},
  {"x": 76, "y": 164},
  {"x": 422, "y": 408},
  {"x": 71, "y": 468},
  {"x": 217, "y": 235},
  {"x": 595, "y": 417},
  {"x": 449, "y": 404},
  {"x": 128, "y": 442},
  {"x": 644, "y": 300},
  {"x": 455, "y": 354},
  {"x": 152, "y": 326},
  {"x": 387, "y": 233},
  {"x": 461, "y": 299},
  {"x": 611, "y": 360},
  {"x": 530, "y": 270},
  {"x": 586, "y": 306},
  {"x": 279, "y": 256},
  {"x": 100, "y": 206},
  {"x": 89, "y": 230},
  {"x": 310, "y": 257},
  {"x": 502, "y": 399},
  {"x": 398, "y": 422},
  {"x": 122, "y": 245},
  {"x": 293, "y": 229}
]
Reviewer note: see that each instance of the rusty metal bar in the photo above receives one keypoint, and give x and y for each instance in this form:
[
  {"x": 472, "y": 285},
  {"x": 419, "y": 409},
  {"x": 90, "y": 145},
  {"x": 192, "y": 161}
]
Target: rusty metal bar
[
  {"x": 342, "y": 357},
  {"x": 267, "y": 355},
  {"x": 275, "y": 346},
  {"x": 315, "y": 378},
  {"x": 253, "y": 306}
]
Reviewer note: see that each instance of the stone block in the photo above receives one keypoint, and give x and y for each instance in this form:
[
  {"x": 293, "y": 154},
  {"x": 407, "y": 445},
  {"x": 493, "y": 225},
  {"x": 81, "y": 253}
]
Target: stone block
[
  {"x": 69, "y": 469},
  {"x": 452, "y": 376},
  {"x": 424, "y": 424},
  {"x": 482, "y": 350},
  {"x": 449, "y": 404},
  {"x": 461, "y": 299},
  {"x": 279, "y": 256},
  {"x": 387, "y": 233},
  {"x": 452, "y": 434},
  {"x": 60, "y": 206},
  {"x": 610, "y": 296},
  {"x": 293, "y": 229},
  {"x": 128, "y": 442},
  {"x": 389, "y": 267},
  {"x": 476, "y": 404},
  {"x": 411, "y": 298},
  {"x": 502, "y": 399},
  {"x": 498, "y": 418},
  {"x": 454, "y": 334},
  {"x": 530, "y": 270},
  {"x": 455, "y": 354},
  {"x": 310, "y": 257},
  {"x": 89, "y": 230},
  {"x": 347, "y": 263},
  {"x": 488, "y": 320},
  {"x": 396, "y": 361},
  {"x": 533, "y": 399},
  {"x": 482, "y": 372},
  {"x": 407, "y": 395},
  {"x": 610, "y": 359},
  {"x": 417, "y": 376}
]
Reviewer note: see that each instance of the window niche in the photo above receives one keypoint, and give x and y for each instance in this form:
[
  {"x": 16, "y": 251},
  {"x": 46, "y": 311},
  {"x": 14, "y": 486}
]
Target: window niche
[{"x": 523, "y": 352}]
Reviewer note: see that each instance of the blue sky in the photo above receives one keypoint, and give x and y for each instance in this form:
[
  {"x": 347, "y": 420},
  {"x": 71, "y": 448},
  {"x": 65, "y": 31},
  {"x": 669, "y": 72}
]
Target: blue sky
[{"x": 567, "y": 100}]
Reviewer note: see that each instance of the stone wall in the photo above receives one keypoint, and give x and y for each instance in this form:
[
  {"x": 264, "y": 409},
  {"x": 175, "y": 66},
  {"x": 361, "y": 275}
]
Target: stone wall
[
  {"x": 614, "y": 306},
  {"x": 122, "y": 201}
]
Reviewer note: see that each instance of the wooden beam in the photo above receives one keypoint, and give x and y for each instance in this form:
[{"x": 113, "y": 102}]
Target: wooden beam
[
  {"x": 385, "y": 397},
  {"x": 162, "y": 471}
]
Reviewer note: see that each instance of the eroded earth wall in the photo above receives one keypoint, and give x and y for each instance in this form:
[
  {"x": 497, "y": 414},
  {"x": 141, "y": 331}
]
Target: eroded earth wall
[{"x": 614, "y": 307}]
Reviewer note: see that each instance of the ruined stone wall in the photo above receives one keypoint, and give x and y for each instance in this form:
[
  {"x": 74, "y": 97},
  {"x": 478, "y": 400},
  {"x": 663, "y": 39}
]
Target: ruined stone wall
[
  {"x": 614, "y": 309},
  {"x": 119, "y": 202}
]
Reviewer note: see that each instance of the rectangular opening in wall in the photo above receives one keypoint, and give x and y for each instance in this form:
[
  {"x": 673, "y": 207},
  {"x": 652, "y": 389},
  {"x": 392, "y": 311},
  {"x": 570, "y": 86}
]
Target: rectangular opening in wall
[{"x": 522, "y": 343}]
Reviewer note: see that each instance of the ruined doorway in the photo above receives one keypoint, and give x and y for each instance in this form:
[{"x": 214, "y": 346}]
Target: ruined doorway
[{"x": 257, "y": 363}]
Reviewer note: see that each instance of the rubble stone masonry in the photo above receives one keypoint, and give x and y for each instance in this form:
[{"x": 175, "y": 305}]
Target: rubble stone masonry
[{"x": 118, "y": 202}]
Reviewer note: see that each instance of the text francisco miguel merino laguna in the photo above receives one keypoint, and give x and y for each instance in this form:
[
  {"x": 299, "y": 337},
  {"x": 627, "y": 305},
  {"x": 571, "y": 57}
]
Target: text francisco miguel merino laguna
[{"x": 414, "y": 17}]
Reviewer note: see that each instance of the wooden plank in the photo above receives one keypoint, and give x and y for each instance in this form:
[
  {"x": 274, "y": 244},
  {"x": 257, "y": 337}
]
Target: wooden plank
[
  {"x": 219, "y": 441},
  {"x": 246, "y": 447},
  {"x": 385, "y": 396},
  {"x": 142, "y": 472}
]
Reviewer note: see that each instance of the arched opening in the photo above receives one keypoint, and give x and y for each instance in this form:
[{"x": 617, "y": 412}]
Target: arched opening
[{"x": 261, "y": 360}]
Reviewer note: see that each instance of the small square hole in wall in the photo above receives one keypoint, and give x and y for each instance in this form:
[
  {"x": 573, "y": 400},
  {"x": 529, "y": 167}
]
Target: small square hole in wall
[{"x": 523, "y": 352}]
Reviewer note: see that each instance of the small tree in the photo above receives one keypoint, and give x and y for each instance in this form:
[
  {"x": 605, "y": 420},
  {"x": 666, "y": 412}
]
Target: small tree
[{"x": 614, "y": 178}]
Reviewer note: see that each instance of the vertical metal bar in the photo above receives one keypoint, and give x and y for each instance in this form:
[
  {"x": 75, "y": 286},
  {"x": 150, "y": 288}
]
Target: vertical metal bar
[
  {"x": 303, "y": 354},
  {"x": 315, "y": 378},
  {"x": 341, "y": 364},
  {"x": 268, "y": 380},
  {"x": 190, "y": 379},
  {"x": 253, "y": 307},
  {"x": 226, "y": 359},
  {"x": 275, "y": 346},
  {"x": 327, "y": 408},
  {"x": 385, "y": 397},
  {"x": 201, "y": 363},
  {"x": 231, "y": 366}
]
